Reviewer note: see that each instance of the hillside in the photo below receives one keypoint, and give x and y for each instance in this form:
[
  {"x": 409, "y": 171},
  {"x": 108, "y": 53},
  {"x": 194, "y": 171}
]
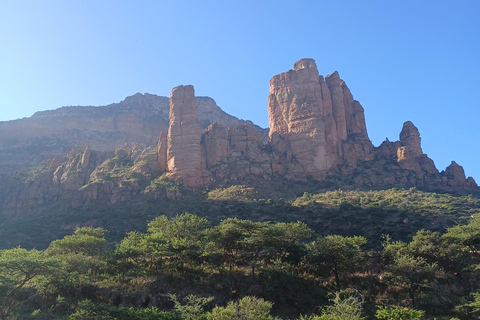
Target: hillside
[
  {"x": 99, "y": 161},
  {"x": 108, "y": 211}
]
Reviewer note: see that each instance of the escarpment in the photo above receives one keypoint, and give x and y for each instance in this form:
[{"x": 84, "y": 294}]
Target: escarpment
[
  {"x": 85, "y": 155},
  {"x": 317, "y": 131}
]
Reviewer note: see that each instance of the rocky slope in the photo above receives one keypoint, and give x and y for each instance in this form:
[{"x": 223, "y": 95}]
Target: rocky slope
[{"x": 79, "y": 157}]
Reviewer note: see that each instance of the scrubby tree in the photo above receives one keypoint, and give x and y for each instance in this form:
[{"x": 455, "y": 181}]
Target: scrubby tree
[
  {"x": 82, "y": 256},
  {"x": 337, "y": 255},
  {"x": 86, "y": 241},
  {"x": 181, "y": 240},
  {"x": 344, "y": 306},
  {"x": 465, "y": 236},
  {"x": 193, "y": 308},
  {"x": 87, "y": 309},
  {"x": 247, "y": 308},
  {"x": 407, "y": 268},
  {"x": 244, "y": 242},
  {"x": 461, "y": 244},
  {"x": 18, "y": 268},
  {"x": 389, "y": 313}
]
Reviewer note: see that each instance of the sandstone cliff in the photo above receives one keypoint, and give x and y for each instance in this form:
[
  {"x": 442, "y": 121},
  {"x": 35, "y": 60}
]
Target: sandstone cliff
[
  {"x": 317, "y": 131},
  {"x": 320, "y": 119},
  {"x": 145, "y": 145},
  {"x": 184, "y": 156}
]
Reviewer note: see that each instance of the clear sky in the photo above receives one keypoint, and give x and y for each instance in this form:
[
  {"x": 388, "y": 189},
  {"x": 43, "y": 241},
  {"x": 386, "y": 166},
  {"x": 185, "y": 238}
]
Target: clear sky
[{"x": 403, "y": 60}]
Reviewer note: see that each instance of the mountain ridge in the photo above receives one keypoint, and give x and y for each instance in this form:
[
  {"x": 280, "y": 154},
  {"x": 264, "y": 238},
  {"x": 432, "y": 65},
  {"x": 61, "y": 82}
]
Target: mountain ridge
[{"x": 81, "y": 156}]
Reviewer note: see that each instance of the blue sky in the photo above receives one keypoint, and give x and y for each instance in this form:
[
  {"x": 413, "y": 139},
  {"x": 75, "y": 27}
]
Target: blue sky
[{"x": 403, "y": 60}]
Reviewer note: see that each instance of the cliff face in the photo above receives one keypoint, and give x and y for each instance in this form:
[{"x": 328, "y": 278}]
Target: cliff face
[
  {"x": 320, "y": 119},
  {"x": 184, "y": 156},
  {"x": 317, "y": 131}
]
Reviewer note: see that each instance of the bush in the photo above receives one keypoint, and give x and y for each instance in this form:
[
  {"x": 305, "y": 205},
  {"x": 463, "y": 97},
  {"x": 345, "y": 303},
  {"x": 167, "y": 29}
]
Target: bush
[
  {"x": 390, "y": 313},
  {"x": 247, "y": 308},
  {"x": 99, "y": 311}
]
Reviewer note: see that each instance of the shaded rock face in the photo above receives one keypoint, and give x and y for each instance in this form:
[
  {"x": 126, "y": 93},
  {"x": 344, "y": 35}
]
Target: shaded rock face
[
  {"x": 235, "y": 153},
  {"x": 82, "y": 179},
  {"x": 455, "y": 176},
  {"x": 215, "y": 144},
  {"x": 184, "y": 153},
  {"x": 323, "y": 123}
]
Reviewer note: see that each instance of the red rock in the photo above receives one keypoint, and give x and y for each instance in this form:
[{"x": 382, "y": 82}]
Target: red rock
[
  {"x": 215, "y": 144},
  {"x": 323, "y": 123},
  {"x": 410, "y": 155},
  {"x": 456, "y": 177},
  {"x": 184, "y": 154}
]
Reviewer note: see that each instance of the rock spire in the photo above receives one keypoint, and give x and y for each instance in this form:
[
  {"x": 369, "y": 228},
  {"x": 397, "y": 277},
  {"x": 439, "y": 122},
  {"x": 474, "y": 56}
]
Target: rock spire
[
  {"x": 184, "y": 155},
  {"x": 320, "y": 118}
]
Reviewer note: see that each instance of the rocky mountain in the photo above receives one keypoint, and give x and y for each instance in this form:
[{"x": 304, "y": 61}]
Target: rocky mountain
[
  {"x": 79, "y": 157},
  {"x": 138, "y": 119},
  {"x": 317, "y": 131}
]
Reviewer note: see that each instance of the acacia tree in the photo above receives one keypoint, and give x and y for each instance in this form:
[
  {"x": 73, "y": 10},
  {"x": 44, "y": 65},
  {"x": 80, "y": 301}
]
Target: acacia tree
[
  {"x": 18, "y": 267},
  {"x": 180, "y": 240},
  {"x": 82, "y": 258},
  {"x": 244, "y": 242},
  {"x": 465, "y": 236},
  {"x": 412, "y": 273},
  {"x": 137, "y": 254},
  {"x": 344, "y": 306},
  {"x": 389, "y": 313},
  {"x": 337, "y": 255},
  {"x": 461, "y": 245},
  {"x": 240, "y": 242},
  {"x": 408, "y": 265}
]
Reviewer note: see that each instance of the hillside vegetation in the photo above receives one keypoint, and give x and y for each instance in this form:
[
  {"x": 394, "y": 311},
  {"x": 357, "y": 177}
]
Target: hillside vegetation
[
  {"x": 386, "y": 254},
  {"x": 398, "y": 212}
]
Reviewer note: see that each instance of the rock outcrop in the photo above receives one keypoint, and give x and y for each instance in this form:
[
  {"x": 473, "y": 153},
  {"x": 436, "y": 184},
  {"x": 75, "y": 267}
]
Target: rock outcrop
[
  {"x": 184, "y": 153},
  {"x": 137, "y": 148},
  {"x": 317, "y": 131},
  {"x": 409, "y": 153},
  {"x": 455, "y": 176},
  {"x": 324, "y": 125},
  {"x": 137, "y": 119}
]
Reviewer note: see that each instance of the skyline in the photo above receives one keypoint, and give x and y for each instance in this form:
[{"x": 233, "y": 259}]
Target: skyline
[{"x": 402, "y": 61}]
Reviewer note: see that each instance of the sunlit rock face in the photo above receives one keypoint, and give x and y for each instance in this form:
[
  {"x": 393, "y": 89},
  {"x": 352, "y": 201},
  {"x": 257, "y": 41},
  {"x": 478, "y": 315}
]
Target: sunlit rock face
[
  {"x": 323, "y": 123},
  {"x": 410, "y": 155},
  {"x": 184, "y": 153}
]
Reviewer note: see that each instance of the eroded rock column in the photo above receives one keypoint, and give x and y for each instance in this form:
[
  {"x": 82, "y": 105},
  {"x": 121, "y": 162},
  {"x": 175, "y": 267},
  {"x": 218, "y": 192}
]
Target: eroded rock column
[{"x": 184, "y": 154}]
